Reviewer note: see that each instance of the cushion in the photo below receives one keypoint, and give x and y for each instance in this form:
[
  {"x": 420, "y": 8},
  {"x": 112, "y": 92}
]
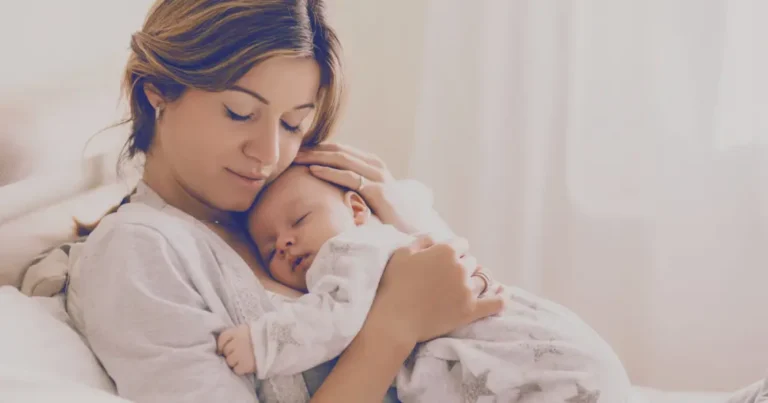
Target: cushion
[
  {"x": 36, "y": 339},
  {"x": 23, "y": 387},
  {"x": 650, "y": 395},
  {"x": 47, "y": 275},
  {"x": 30, "y": 237}
]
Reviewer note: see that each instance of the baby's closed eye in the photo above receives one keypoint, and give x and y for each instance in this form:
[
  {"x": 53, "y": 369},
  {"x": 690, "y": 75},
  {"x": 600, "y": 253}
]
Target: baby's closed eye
[{"x": 301, "y": 218}]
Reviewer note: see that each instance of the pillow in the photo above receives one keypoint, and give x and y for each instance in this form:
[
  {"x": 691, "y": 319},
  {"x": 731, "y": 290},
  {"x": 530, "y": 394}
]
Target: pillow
[
  {"x": 36, "y": 339},
  {"x": 32, "y": 236},
  {"x": 23, "y": 387},
  {"x": 48, "y": 274}
]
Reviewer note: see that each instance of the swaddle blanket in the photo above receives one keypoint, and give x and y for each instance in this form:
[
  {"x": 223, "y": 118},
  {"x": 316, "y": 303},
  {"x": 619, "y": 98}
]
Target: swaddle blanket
[
  {"x": 755, "y": 393},
  {"x": 534, "y": 352}
]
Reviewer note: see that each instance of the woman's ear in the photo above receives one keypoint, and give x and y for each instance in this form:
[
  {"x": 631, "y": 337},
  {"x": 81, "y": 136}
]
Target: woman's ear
[
  {"x": 153, "y": 95},
  {"x": 360, "y": 211}
]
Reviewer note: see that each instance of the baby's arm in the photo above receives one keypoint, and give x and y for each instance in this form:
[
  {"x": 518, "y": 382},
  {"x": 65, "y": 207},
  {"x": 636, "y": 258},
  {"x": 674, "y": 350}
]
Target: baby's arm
[{"x": 318, "y": 326}]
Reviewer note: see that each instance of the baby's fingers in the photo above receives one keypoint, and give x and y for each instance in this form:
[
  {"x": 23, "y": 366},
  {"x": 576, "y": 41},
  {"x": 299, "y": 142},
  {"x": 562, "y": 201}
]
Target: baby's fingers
[
  {"x": 224, "y": 338},
  {"x": 241, "y": 369},
  {"x": 232, "y": 360}
]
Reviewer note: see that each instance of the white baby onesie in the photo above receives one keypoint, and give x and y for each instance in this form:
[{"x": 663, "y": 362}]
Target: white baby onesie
[{"x": 534, "y": 352}]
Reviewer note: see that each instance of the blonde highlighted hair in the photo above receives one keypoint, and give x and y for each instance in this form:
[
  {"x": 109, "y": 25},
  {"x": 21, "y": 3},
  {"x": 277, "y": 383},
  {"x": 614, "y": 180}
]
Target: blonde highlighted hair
[{"x": 210, "y": 44}]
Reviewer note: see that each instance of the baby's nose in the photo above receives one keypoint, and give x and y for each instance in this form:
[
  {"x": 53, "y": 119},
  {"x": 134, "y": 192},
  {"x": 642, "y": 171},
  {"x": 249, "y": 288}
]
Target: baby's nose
[{"x": 285, "y": 242}]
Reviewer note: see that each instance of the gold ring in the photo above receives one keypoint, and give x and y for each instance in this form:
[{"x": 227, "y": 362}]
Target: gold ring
[
  {"x": 361, "y": 184},
  {"x": 485, "y": 278}
]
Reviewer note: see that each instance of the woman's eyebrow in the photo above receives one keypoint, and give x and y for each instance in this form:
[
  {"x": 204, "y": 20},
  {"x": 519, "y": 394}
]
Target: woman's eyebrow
[
  {"x": 263, "y": 100},
  {"x": 251, "y": 93}
]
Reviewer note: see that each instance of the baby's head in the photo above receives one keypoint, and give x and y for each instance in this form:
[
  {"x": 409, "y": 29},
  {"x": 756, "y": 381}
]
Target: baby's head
[{"x": 295, "y": 216}]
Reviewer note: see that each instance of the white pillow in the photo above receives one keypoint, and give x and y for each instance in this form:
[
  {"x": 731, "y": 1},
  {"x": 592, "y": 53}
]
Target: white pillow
[
  {"x": 36, "y": 339},
  {"x": 27, "y": 237},
  {"x": 22, "y": 387},
  {"x": 649, "y": 395}
]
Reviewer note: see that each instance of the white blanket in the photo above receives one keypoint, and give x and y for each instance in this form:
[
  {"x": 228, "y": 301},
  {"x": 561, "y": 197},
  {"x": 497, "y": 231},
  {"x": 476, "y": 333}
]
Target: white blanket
[{"x": 534, "y": 352}]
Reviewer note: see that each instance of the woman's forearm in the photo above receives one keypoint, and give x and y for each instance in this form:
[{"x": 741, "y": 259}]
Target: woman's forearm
[{"x": 366, "y": 369}]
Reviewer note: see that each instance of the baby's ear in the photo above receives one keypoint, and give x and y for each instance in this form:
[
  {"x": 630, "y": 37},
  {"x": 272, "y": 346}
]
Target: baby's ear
[{"x": 360, "y": 211}]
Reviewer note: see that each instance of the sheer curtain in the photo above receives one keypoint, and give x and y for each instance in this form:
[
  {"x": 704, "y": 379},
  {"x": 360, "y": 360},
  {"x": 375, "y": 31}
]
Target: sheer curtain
[{"x": 612, "y": 155}]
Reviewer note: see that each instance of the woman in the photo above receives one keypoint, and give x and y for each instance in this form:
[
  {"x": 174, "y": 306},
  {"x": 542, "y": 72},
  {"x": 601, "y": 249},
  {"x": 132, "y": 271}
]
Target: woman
[{"x": 223, "y": 93}]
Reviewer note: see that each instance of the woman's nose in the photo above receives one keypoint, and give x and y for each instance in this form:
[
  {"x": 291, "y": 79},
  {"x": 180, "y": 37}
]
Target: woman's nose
[{"x": 264, "y": 143}]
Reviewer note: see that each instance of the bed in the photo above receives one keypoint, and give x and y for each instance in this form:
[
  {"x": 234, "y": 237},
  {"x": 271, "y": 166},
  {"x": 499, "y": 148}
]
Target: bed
[
  {"x": 62, "y": 368},
  {"x": 43, "y": 357}
]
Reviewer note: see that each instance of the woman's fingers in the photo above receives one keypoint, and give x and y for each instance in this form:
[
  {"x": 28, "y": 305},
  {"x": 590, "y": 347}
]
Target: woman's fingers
[
  {"x": 427, "y": 287},
  {"x": 343, "y": 161},
  {"x": 344, "y": 178},
  {"x": 422, "y": 242},
  {"x": 479, "y": 285},
  {"x": 487, "y": 306},
  {"x": 367, "y": 157},
  {"x": 460, "y": 247},
  {"x": 469, "y": 262}
]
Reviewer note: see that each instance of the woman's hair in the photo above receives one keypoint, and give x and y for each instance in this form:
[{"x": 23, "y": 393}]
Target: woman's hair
[{"x": 210, "y": 44}]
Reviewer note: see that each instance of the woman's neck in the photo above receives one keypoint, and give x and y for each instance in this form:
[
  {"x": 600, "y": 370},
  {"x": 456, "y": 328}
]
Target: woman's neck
[{"x": 162, "y": 180}]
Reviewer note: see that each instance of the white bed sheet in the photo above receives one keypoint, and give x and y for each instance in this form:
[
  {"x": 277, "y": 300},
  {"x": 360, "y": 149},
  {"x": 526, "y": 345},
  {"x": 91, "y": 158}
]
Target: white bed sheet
[
  {"x": 648, "y": 395},
  {"x": 40, "y": 382},
  {"x": 20, "y": 389}
]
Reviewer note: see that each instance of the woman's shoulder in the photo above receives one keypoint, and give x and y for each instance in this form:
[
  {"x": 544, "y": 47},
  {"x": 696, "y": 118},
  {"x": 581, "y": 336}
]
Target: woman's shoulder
[
  {"x": 142, "y": 237},
  {"x": 137, "y": 222},
  {"x": 135, "y": 248}
]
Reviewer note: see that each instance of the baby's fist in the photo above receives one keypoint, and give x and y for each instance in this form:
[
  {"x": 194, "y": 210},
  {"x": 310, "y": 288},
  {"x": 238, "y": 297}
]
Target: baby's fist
[{"x": 235, "y": 345}]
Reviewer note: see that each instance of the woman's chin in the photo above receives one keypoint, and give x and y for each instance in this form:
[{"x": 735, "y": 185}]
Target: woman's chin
[
  {"x": 237, "y": 205},
  {"x": 234, "y": 200}
]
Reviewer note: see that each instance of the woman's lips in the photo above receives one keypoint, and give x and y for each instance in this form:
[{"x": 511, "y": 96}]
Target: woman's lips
[{"x": 248, "y": 179}]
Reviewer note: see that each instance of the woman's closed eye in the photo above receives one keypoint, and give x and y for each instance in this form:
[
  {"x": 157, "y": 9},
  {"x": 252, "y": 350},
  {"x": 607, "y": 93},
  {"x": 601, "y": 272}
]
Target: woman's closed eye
[
  {"x": 289, "y": 128},
  {"x": 244, "y": 118},
  {"x": 237, "y": 117}
]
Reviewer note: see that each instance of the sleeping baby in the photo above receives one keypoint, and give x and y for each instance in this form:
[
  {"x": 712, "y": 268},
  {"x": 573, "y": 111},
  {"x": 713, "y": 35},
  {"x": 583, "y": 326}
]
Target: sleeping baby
[{"x": 324, "y": 241}]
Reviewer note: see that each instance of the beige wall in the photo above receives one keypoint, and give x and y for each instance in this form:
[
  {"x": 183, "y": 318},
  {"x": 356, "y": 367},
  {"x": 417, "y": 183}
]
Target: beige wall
[
  {"x": 59, "y": 86},
  {"x": 61, "y": 71},
  {"x": 383, "y": 48},
  {"x": 60, "y": 80}
]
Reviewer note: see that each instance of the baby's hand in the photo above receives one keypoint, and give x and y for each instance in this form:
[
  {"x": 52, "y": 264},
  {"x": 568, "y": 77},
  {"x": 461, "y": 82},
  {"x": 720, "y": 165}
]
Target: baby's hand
[{"x": 235, "y": 345}]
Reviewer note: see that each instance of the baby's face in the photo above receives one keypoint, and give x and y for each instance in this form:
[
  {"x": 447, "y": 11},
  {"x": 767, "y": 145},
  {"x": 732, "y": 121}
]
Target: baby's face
[{"x": 294, "y": 217}]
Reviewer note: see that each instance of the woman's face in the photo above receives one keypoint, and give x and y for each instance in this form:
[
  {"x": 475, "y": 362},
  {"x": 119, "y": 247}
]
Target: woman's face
[{"x": 222, "y": 147}]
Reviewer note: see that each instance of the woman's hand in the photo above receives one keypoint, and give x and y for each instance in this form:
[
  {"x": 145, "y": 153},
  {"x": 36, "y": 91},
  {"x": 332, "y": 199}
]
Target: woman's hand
[
  {"x": 354, "y": 169},
  {"x": 427, "y": 291},
  {"x": 483, "y": 282},
  {"x": 346, "y": 164}
]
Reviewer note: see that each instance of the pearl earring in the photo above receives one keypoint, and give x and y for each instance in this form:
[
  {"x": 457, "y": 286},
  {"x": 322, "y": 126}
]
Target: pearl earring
[{"x": 158, "y": 109}]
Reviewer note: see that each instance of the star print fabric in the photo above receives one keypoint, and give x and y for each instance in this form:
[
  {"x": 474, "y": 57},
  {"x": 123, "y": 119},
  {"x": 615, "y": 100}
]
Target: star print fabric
[{"x": 535, "y": 351}]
